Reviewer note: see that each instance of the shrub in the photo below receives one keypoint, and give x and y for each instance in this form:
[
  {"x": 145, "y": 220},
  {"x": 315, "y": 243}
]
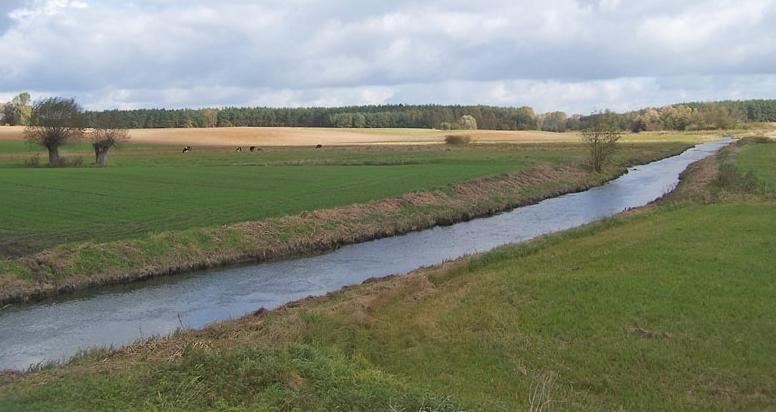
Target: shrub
[
  {"x": 601, "y": 139},
  {"x": 68, "y": 162},
  {"x": 456, "y": 139},
  {"x": 33, "y": 161}
]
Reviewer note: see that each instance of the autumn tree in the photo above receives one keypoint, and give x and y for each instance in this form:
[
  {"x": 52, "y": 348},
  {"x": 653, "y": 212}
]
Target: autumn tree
[
  {"x": 211, "y": 117},
  {"x": 17, "y": 111},
  {"x": 467, "y": 122},
  {"x": 676, "y": 117},
  {"x": 715, "y": 116},
  {"x": 552, "y": 122},
  {"x": 109, "y": 132},
  {"x": 651, "y": 119},
  {"x": 55, "y": 121}
]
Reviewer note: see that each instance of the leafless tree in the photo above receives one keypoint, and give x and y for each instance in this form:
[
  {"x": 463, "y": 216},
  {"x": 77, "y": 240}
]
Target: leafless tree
[
  {"x": 109, "y": 132},
  {"x": 55, "y": 121},
  {"x": 601, "y": 138}
]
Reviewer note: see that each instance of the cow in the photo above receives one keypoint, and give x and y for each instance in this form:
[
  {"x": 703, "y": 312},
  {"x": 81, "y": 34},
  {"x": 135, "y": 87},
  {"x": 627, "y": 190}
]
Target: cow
[
  {"x": 239, "y": 149},
  {"x": 186, "y": 149},
  {"x": 319, "y": 146},
  {"x": 253, "y": 148}
]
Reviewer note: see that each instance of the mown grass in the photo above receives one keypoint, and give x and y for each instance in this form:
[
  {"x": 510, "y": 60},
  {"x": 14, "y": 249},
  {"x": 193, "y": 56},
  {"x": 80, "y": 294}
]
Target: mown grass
[
  {"x": 149, "y": 189},
  {"x": 669, "y": 308}
]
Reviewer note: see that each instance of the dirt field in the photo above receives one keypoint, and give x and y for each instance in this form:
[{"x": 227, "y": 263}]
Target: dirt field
[
  {"x": 300, "y": 136},
  {"x": 290, "y": 136}
]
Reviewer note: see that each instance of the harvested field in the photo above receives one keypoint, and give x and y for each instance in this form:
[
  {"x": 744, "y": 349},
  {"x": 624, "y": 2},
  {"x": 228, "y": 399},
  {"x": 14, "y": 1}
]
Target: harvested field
[{"x": 298, "y": 136}]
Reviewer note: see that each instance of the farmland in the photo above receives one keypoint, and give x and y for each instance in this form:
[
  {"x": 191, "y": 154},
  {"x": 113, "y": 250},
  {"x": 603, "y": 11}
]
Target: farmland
[
  {"x": 301, "y": 136},
  {"x": 157, "y": 211},
  {"x": 666, "y": 308},
  {"x": 152, "y": 187}
]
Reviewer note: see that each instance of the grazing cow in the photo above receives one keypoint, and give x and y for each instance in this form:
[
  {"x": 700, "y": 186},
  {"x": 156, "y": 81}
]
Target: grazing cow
[
  {"x": 319, "y": 146},
  {"x": 253, "y": 148},
  {"x": 239, "y": 149},
  {"x": 186, "y": 149}
]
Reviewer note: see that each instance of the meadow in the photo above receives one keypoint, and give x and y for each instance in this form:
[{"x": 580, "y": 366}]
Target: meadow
[
  {"x": 663, "y": 308},
  {"x": 759, "y": 160},
  {"x": 149, "y": 188}
]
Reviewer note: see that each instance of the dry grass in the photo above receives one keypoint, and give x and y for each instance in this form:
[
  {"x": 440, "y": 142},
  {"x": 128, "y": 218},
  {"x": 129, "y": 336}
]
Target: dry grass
[
  {"x": 696, "y": 181},
  {"x": 300, "y": 136},
  {"x": 540, "y": 398}
]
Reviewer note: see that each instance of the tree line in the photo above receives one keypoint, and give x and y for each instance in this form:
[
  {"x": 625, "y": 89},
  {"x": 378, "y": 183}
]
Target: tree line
[
  {"x": 382, "y": 116},
  {"x": 688, "y": 116}
]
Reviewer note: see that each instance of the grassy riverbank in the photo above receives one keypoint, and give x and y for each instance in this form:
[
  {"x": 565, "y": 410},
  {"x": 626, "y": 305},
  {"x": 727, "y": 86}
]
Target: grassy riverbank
[
  {"x": 665, "y": 308},
  {"x": 137, "y": 220}
]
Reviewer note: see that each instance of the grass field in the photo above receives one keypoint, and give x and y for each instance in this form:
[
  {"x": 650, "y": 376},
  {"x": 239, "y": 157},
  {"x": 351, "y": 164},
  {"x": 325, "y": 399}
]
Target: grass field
[
  {"x": 669, "y": 308},
  {"x": 153, "y": 188},
  {"x": 760, "y": 160}
]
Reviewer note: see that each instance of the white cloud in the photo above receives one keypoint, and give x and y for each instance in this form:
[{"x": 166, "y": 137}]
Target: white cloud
[{"x": 576, "y": 55}]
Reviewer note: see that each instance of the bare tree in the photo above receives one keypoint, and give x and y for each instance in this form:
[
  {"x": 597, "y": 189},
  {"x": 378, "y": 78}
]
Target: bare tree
[
  {"x": 601, "y": 138},
  {"x": 109, "y": 132},
  {"x": 55, "y": 121}
]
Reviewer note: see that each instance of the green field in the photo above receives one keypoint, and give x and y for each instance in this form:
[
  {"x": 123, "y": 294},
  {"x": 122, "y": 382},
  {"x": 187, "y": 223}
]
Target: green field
[
  {"x": 151, "y": 188},
  {"x": 669, "y": 308},
  {"x": 760, "y": 160}
]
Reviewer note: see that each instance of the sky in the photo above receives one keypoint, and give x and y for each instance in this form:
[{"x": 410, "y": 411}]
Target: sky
[{"x": 578, "y": 56}]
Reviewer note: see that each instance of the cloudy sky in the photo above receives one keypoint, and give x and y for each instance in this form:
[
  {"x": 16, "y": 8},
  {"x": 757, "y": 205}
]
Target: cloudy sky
[{"x": 571, "y": 55}]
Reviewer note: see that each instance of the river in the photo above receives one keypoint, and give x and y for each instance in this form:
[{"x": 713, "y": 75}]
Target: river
[{"x": 59, "y": 328}]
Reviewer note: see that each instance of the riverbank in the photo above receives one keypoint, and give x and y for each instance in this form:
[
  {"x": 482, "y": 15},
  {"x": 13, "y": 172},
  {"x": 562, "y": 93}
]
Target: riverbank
[
  {"x": 85, "y": 265},
  {"x": 668, "y": 307}
]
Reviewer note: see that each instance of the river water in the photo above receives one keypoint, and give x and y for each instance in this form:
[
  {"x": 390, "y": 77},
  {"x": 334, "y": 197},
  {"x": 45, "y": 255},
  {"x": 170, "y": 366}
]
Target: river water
[{"x": 114, "y": 316}]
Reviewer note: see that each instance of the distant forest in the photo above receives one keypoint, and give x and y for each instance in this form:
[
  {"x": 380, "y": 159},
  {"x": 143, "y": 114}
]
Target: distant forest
[
  {"x": 690, "y": 116},
  {"x": 686, "y": 116}
]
